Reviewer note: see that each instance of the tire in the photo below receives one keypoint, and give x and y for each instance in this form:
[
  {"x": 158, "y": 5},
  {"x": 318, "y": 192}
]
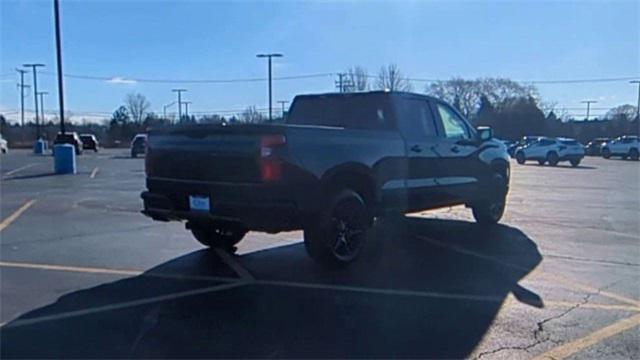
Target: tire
[
  {"x": 340, "y": 233},
  {"x": 520, "y": 158},
  {"x": 541, "y": 162},
  {"x": 218, "y": 236},
  {"x": 489, "y": 211},
  {"x": 606, "y": 153},
  {"x": 634, "y": 154},
  {"x": 552, "y": 158},
  {"x": 575, "y": 162}
]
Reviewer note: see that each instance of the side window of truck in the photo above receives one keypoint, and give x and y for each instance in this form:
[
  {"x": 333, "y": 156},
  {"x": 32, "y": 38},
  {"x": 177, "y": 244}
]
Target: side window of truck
[
  {"x": 454, "y": 127},
  {"x": 415, "y": 119}
]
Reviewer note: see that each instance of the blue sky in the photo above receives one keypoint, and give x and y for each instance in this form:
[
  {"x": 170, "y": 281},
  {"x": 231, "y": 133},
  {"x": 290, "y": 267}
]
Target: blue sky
[{"x": 535, "y": 40}]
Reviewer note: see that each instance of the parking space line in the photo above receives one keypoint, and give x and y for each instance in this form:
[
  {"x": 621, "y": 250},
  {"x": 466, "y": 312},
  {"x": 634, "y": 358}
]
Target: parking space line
[
  {"x": 69, "y": 268},
  {"x": 9, "y": 173},
  {"x": 107, "y": 271},
  {"x": 123, "y": 305},
  {"x": 575, "y": 346},
  {"x": 11, "y": 218},
  {"x": 94, "y": 172},
  {"x": 593, "y": 306},
  {"x": 243, "y": 273},
  {"x": 557, "y": 278}
]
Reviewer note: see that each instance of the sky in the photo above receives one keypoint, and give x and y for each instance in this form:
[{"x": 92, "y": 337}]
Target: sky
[{"x": 117, "y": 41}]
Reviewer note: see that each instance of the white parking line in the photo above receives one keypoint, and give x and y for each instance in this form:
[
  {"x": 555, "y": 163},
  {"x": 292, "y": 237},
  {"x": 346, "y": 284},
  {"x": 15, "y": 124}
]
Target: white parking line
[
  {"x": 94, "y": 172},
  {"x": 122, "y": 305},
  {"x": 9, "y": 173}
]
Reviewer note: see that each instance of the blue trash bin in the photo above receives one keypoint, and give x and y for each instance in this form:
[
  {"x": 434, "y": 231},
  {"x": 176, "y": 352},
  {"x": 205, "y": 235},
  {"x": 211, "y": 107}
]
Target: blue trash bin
[
  {"x": 64, "y": 159},
  {"x": 39, "y": 146}
]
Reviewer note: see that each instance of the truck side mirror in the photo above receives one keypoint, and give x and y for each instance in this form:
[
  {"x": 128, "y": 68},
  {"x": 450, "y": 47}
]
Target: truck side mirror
[{"x": 485, "y": 133}]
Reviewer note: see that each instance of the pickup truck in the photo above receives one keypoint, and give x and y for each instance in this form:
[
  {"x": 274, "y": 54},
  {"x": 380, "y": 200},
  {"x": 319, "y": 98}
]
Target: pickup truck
[{"x": 338, "y": 162}]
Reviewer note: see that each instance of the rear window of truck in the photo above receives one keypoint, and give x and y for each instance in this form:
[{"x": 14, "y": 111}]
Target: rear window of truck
[{"x": 355, "y": 112}]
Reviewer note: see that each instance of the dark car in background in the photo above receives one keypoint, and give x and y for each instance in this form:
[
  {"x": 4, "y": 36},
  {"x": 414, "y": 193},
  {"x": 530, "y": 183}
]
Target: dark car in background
[
  {"x": 524, "y": 141},
  {"x": 89, "y": 142},
  {"x": 139, "y": 145},
  {"x": 71, "y": 138},
  {"x": 594, "y": 147}
]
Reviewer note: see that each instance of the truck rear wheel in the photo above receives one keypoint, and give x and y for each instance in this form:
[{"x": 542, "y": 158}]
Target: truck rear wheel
[
  {"x": 218, "y": 235},
  {"x": 339, "y": 235}
]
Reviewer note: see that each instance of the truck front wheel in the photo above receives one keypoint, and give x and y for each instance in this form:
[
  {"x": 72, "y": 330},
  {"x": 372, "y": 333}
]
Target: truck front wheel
[
  {"x": 220, "y": 236},
  {"x": 489, "y": 211},
  {"x": 340, "y": 232}
]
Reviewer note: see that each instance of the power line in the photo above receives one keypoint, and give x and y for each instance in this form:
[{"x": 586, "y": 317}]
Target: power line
[{"x": 316, "y": 75}]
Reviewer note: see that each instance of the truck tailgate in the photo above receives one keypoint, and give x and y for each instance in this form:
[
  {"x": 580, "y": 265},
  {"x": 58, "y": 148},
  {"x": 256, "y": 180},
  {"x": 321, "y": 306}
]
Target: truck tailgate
[{"x": 211, "y": 153}]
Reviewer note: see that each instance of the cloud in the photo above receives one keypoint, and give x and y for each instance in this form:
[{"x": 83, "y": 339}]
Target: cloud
[{"x": 121, "y": 80}]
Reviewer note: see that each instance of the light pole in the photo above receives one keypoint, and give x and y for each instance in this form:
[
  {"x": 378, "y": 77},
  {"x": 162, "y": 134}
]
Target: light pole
[
  {"x": 269, "y": 56},
  {"x": 186, "y": 108},
  {"x": 42, "y": 94},
  {"x": 35, "y": 94},
  {"x": 56, "y": 14},
  {"x": 283, "y": 103},
  {"x": 588, "y": 102},
  {"x": 637, "y": 107},
  {"x": 179, "y": 91}
]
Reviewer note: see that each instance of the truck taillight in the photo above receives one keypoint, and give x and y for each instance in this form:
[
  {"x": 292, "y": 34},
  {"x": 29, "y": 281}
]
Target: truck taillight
[{"x": 270, "y": 164}]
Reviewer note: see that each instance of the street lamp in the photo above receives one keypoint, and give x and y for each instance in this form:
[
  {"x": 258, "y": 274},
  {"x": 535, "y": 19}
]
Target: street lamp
[
  {"x": 269, "y": 56},
  {"x": 186, "y": 108},
  {"x": 164, "y": 109},
  {"x": 35, "y": 94},
  {"x": 179, "y": 91},
  {"x": 637, "y": 107},
  {"x": 588, "y": 102}
]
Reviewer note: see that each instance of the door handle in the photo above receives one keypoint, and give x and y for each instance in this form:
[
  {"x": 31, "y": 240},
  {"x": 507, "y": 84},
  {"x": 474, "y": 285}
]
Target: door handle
[
  {"x": 455, "y": 150},
  {"x": 416, "y": 148}
]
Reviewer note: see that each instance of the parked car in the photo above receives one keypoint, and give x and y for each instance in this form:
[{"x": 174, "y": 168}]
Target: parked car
[
  {"x": 339, "y": 161},
  {"x": 623, "y": 146},
  {"x": 139, "y": 145},
  {"x": 525, "y": 140},
  {"x": 4, "y": 146},
  {"x": 69, "y": 138},
  {"x": 89, "y": 142},
  {"x": 594, "y": 147},
  {"x": 552, "y": 151}
]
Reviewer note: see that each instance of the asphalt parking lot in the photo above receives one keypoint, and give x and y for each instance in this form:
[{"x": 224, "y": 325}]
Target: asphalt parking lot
[{"x": 83, "y": 275}]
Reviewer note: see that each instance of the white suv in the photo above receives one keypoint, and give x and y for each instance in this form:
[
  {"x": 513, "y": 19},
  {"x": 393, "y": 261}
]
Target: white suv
[
  {"x": 551, "y": 150},
  {"x": 624, "y": 146}
]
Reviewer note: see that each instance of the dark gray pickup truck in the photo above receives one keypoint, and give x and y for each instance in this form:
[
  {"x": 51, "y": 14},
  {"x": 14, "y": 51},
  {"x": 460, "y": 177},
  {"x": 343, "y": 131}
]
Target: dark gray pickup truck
[{"x": 338, "y": 162}]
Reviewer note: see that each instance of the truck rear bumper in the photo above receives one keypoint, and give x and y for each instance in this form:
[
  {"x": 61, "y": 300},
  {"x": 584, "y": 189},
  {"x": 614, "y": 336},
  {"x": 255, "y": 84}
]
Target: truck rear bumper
[{"x": 258, "y": 207}]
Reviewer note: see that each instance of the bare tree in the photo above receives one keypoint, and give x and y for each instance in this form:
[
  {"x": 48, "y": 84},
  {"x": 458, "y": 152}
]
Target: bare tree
[
  {"x": 137, "y": 104},
  {"x": 626, "y": 112},
  {"x": 390, "y": 78},
  {"x": 465, "y": 94},
  {"x": 358, "y": 79},
  {"x": 251, "y": 115}
]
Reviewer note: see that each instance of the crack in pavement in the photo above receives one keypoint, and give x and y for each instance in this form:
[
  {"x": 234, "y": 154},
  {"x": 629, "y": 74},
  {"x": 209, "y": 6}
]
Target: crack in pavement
[{"x": 539, "y": 330}]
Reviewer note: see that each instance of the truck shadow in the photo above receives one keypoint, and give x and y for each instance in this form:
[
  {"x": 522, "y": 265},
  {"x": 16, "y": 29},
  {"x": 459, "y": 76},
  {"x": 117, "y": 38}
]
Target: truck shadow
[{"x": 422, "y": 289}]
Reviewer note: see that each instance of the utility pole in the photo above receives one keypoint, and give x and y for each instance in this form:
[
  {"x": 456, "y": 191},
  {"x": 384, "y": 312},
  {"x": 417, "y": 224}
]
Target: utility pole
[
  {"x": 179, "y": 91},
  {"x": 22, "y": 86},
  {"x": 56, "y": 11},
  {"x": 588, "y": 102},
  {"x": 42, "y": 94},
  {"x": 164, "y": 109},
  {"x": 269, "y": 56},
  {"x": 638, "y": 106},
  {"x": 283, "y": 103},
  {"x": 340, "y": 82},
  {"x": 186, "y": 108},
  {"x": 35, "y": 94}
]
